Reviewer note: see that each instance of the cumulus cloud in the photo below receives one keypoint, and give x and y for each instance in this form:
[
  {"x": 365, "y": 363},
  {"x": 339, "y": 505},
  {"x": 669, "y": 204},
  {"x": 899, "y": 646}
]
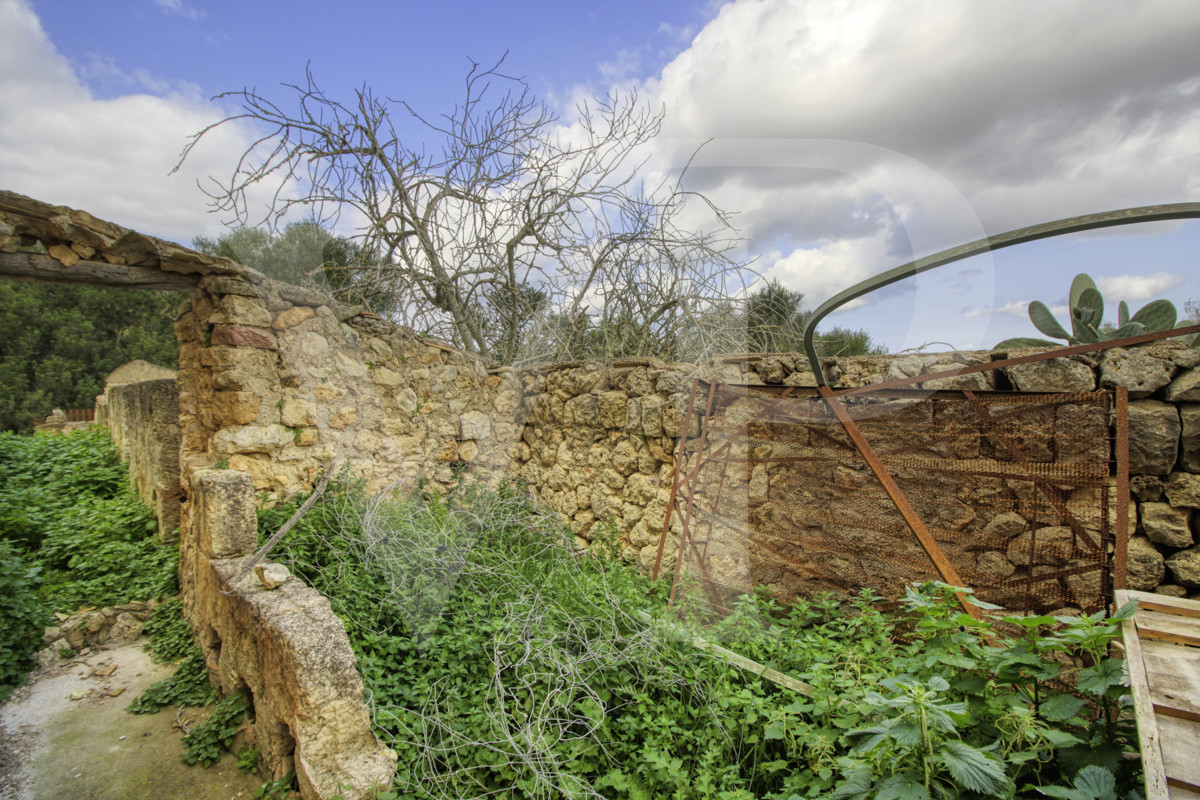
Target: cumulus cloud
[
  {"x": 1138, "y": 287},
  {"x": 112, "y": 157},
  {"x": 924, "y": 124}
]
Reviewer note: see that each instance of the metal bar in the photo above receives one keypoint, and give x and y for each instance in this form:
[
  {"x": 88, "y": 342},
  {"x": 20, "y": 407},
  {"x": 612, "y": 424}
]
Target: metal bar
[
  {"x": 928, "y": 543},
  {"x": 1029, "y": 359},
  {"x": 680, "y": 449},
  {"x": 1121, "y": 548},
  {"x": 687, "y": 515},
  {"x": 1032, "y": 233}
]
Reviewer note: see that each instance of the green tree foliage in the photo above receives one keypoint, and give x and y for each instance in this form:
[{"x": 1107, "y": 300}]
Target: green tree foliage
[
  {"x": 58, "y": 343},
  {"x": 775, "y": 317}
]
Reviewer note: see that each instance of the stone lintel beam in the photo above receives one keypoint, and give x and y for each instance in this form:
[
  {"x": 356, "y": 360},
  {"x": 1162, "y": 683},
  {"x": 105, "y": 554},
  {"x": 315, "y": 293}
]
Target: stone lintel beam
[{"x": 44, "y": 269}]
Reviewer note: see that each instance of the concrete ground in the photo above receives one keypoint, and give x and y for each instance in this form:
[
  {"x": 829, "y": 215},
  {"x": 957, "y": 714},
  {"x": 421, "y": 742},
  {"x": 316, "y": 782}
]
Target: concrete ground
[{"x": 66, "y": 734}]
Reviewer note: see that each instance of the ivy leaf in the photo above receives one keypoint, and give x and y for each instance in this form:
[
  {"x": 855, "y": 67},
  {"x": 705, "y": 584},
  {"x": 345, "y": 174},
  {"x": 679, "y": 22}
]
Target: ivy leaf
[
  {"x": 972, "y": 769},
  {"x": 1060, "y": 707}
]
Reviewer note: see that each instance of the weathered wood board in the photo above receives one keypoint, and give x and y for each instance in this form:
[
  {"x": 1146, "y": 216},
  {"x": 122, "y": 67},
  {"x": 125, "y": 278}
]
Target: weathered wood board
[{"x": 1162, "y": 653}]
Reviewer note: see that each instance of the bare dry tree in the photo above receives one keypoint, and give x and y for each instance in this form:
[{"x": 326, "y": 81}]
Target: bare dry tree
[{"x": 521, "y": 237}]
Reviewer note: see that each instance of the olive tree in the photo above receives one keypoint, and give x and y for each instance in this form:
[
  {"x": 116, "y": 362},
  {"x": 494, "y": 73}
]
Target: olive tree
[{"x": 496, "y": 226}]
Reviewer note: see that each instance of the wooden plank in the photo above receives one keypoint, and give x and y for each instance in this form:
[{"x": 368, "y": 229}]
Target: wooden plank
[
  {"x": 1167, "y": 605},
  {"x": 1147, "y": 723},
  {"x": 1174, "y": 674},
  {"x": 1180, "y": 752}
]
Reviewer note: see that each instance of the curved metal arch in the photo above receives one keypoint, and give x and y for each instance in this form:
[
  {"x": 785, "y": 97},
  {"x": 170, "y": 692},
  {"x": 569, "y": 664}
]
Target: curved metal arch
[{"x": 1045, "y": 230}]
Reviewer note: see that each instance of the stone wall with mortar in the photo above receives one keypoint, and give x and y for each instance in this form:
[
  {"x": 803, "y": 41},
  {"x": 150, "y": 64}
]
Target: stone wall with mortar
[
  {"x": 143, "y": 422},
  {"x": 279, "y": 382}
]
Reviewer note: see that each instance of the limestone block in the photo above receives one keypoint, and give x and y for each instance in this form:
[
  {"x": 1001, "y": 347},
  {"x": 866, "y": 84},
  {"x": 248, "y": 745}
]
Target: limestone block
[
  {"x": 241, "y": 336},
  {"x": 238, "y": 310},
  {"x": 641, "y": 489},
  {"x": 1081, "y": 434},
  {"x": 1146, "y": 487},
  {"x": 349, "y": 366},
  {"x": 633, "y": 416},
  {"x": 1137, "y": 370},
  {"x": 584, "y": 410},
  {"x": 1166, "y": 525},
  {"x": 297, "y": 413},
  {"x": 475, "y": 425},
  {"x": 612, "y": 409},
  {"x": 1146, "y": 566},
  {"x": 1154, "y": 429},
  {"x": 292, "y": 317},
  {"x": 343, "y": 418},
  {"x": 582, "y": 380},
  {"x": 759, "y": 486},
  {"x": 1085, "y": 588},
  {"x": 1054, "y": 546},
  {"x": 1189, "y": 459},
  {"x": 307, "y": 437},
  {"x": 1185, "y": 567},
  {"x": 1171, "y": 590},
  {"x": 1054, "y": 375},
  {"x": 625, "y": 457},
  {"x": 314, "y": 347},
  {"x": 235, "y": 408},
  {"x": 1185, "y": 387},
  {"x": 1183, "y": 489},
  {"x": 386, "y": 377},
  {"x": 223, "y": 511},
  {"x": 468, "y": 451},
  {"x": 251, "y": 439},
  {"x": 992, "y": 567},
  {"x": 1000, "y": 530},
  {"x": 652, "y": 415}
]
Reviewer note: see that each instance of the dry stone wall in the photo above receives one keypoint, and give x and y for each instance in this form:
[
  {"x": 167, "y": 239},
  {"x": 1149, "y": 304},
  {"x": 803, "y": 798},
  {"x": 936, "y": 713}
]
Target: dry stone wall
[
  {"x": 598, "y": 444},
  {"x": 143, "y": 422}
]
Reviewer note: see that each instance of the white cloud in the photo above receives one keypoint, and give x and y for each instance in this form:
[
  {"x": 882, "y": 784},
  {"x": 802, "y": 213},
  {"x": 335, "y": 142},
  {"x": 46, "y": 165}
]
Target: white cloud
[
  {"x": 1138, "y": 287},
  {"x": 1017, "y": 308},
  {"x": 60, "y": 144},
  {"x": 925, "y": 123},
  {"x": 180, "y": 8}
]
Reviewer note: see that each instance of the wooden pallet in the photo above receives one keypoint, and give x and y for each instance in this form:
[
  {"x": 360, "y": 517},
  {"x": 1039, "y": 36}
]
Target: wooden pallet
[{"x": 1162, "y": 652}]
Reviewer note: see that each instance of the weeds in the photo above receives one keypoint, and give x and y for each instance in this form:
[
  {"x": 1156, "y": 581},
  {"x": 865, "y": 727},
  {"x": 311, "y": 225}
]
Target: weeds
[{"x": 500, "y": 663}]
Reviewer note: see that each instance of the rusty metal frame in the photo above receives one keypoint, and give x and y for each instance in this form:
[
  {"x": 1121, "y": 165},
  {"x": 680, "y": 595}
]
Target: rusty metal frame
[{"x": 832, "y": 399}]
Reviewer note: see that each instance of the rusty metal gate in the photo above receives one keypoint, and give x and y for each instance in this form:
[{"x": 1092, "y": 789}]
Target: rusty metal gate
[{"x": 1011, "y": 494}]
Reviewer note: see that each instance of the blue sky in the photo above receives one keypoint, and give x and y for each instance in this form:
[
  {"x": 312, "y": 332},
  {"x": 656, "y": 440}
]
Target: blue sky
[{"x": 846, "y": 137}]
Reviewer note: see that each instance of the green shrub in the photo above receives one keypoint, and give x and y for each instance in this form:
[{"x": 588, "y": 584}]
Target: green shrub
[{"x": 21, "y": 619}]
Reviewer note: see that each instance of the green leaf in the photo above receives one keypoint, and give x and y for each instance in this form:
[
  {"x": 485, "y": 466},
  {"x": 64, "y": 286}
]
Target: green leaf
[
  {"x": 1060, "y": 707},
  {"x": 1097, "y": 782},
  {"x": 1045, "y": 321},
  {"x": 972, "y": 769},
  {"x": 905, "y": 786},
  {"x": 1100, "y": 678}
]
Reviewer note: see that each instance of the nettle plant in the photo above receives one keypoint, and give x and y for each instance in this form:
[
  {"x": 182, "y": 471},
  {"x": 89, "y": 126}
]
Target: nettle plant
[{"x": 1086, "y": 306}]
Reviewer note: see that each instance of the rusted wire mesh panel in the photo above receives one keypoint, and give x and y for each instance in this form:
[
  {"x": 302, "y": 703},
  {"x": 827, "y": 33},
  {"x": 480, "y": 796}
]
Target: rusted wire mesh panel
[{"x": 1015, "y": 489}]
